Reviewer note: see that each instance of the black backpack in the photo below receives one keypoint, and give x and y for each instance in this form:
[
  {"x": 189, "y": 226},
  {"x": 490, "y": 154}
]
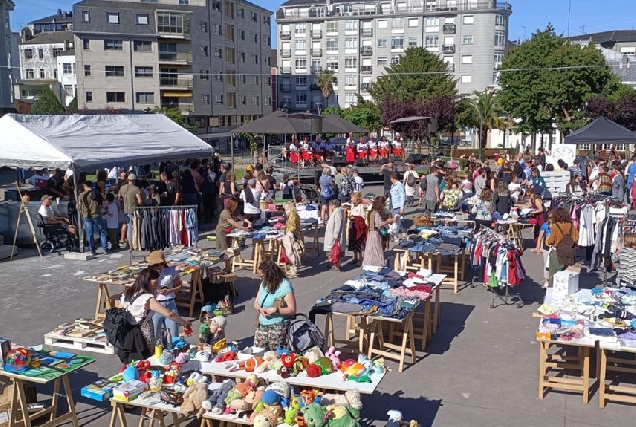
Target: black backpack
[
  {"x": 116, "y": 324},
  {"x": 565, "y": 249},
  {"x": 423, "y": 183},
  {"x": 410, "y": 180},
  {"x": 96, "y": 194},
  {"x": 303, "y": 334}
]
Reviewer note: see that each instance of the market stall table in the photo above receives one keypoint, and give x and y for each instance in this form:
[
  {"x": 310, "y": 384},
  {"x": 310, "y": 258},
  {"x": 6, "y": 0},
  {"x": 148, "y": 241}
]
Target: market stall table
[
  {"x": 152, "y": 408},
  {"x": 58, "y": 375},
  {"x": 611, "y": 363}
]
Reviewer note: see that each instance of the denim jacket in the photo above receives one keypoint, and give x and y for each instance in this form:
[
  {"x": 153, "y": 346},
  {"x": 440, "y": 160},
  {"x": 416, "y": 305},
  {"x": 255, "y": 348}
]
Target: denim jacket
[{"x": 398, "y": 196}]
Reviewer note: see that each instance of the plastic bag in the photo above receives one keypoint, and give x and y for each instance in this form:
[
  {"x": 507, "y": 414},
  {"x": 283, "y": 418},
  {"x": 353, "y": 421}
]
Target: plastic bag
[{"x": 336, "y": 253}]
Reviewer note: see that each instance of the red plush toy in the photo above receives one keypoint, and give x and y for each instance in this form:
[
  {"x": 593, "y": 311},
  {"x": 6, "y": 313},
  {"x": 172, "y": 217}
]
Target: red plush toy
[{"x": 313, "y": 370}]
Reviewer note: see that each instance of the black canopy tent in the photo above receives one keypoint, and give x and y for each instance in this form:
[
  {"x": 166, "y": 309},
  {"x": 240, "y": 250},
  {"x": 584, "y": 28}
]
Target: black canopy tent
[{"x": 601, "y": 131}]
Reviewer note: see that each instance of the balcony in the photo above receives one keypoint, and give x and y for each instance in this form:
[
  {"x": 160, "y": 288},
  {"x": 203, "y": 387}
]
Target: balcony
[
  {"x": 285, "y": 53},
  {"x": 450, "y": 29},
  {"x": 285, "y": 35},
  {"x": 316, "y": 52},
  {"x": 366, "y": 51},
  {"x": 367, "y": 32},
  {"x": 365, "y": 86},
  {"x": 448, "y": 48},
  {"x": 176, "y": 83},
  {"x": 316, "y": 34},
  {"x": 286, "y": 70},
  {"x": 314, "y": 86},
  {"x": 301, "y": 86},
  {"x": 366, "y": 69},
  {"x": 173, "y": 57},
  {"x": 285, "y": 87},
  {"x": 185, "y": 107},
  {"x": 316, "y": 69}
]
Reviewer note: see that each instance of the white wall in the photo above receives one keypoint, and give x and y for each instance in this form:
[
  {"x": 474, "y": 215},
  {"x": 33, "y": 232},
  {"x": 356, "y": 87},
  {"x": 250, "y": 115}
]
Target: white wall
[{"x": 67, "y": 80}]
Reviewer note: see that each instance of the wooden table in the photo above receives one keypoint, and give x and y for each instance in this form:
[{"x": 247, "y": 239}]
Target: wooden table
[
  {"x": 609, "y": 363},
  {"x": 454, "y": 272},
  {"x": 152, "y": 410},
  {"x": 549, "y": 362},
  {"x": 19, "y": 405}
]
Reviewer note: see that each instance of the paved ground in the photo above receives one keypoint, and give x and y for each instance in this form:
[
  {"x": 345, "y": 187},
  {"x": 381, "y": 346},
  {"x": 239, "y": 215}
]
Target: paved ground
[{"x": 480, "y": 370}]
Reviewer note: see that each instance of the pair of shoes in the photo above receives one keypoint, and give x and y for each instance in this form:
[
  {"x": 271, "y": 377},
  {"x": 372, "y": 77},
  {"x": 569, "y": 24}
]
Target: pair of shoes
[
  {"x": 335, "y": 268},
  {"x": 545, "y": 285},
  {"x": 106, "y": 252}
]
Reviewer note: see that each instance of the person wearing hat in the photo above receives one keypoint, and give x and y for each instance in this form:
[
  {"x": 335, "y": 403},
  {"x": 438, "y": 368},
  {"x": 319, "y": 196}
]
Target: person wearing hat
[
  {"x": 168, "y": 284},
  {"x": 212, "y": 329},
  {"x": 50, "y": 218},
  {"x": 131, "y": 197}
]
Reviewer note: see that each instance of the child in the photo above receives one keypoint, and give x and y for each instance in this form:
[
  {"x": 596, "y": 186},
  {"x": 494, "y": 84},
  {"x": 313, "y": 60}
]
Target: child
[
  {"x": 212, "y": 329},
  {"x": 625, "y": 261},
  {"x": 112, "y": 222},
  {"x": 542, "y": 248}
]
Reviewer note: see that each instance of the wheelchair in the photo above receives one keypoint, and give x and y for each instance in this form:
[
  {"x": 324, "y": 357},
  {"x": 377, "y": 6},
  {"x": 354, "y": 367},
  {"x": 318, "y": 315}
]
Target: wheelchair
[{"x": 55, "y": 237}]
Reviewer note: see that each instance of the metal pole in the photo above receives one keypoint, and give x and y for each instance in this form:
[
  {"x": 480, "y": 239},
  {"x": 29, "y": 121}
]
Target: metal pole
[
  {"x": 80, "y": 228},
  {"x": 232, "y": 148},
  {"x": 480, "y": 135}
]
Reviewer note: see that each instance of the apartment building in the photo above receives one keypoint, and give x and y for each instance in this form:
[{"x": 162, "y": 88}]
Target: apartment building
[
  {"x": 6, "y": 62},
  {"x": 357, "y": 40},
  {"x": 39, "y": 59},
  {"x": 209, "y": 58},
  {"x": 61, "y": 21}
]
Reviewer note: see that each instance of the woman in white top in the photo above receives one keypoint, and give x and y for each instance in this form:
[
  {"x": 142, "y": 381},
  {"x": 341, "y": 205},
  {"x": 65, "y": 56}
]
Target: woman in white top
[
  {"x": 251, "y": 198},
  {"x": 140, "y": 304},
  {"x": 169, "y": 283}
]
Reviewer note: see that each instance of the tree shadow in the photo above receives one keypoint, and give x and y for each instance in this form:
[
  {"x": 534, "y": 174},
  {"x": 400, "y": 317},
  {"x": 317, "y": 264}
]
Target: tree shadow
[{"x": 421, "y": 409}]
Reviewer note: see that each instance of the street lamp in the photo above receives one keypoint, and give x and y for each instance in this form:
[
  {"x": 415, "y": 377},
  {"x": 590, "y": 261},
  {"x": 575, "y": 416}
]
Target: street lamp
[{"x": 318, "y": 104}]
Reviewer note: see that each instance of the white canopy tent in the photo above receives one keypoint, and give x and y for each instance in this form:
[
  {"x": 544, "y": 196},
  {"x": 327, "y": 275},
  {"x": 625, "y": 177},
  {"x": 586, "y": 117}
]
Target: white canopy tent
[{"x": 94, "y": 141}]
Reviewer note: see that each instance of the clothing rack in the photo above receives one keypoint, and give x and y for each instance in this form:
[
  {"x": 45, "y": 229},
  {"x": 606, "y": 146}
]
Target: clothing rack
[
  {"x": 192, "y": 221},
  {"x": 507, "y": 298}
]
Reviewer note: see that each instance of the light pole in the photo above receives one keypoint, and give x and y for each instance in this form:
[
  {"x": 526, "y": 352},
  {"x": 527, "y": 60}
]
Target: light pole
[{"x": 318, "y": 104}]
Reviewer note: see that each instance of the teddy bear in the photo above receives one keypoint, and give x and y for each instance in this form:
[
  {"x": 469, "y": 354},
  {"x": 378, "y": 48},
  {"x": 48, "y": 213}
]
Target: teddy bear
[
  {"x": 193, "y": 399},
  {"x": 271, "y": 361},
  {"x": 272, "y": 403},
  {"x": 351, "y": 398},
  {"x": 261, "y": 421},
  {"x": 216, "y": 401},
  {"x": 313, "y": 354}
]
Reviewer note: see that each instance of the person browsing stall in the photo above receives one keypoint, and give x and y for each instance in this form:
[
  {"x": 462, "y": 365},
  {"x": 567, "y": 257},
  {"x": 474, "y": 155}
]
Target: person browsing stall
[
  {"x": 274, "y": 302},
  {"x": 91, "y": 210},
  {"x": 168, "y": 284},
  {"x": 335, "y": 230},
  {"x": 230, "y": 218},
  {"x": 561, "y": 226}
]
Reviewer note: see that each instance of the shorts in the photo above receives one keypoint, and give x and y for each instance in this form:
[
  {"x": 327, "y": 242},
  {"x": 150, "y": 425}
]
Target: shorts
[{"x": 325, "y": 200}]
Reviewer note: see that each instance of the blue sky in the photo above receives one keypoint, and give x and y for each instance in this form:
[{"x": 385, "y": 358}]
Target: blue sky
[{"x": 531, "y": 14}]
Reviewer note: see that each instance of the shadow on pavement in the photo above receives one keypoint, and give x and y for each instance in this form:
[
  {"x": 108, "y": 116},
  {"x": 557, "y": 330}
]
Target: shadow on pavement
[{"x": 421, "y": 409}]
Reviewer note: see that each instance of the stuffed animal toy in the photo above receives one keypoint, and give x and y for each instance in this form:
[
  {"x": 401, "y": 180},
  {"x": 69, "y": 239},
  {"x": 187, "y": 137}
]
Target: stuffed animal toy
[
  {"x": 282, "y": 389},
  {"x": 351, "y": 398},
  {"x": 314, "y": 415},
  {"x": 216, "y": 402},
  {"x": 313, "y": 354},
  {"x": 395, "y": 418},
  {"x": 300, "y": 365},
  {"x": 261, "y": 421},
  {"x": 342, "y": 416},
  {"x": 193, "y": 399},
  {"x": 292, "y": 411},
  {"x": 271, "y": 361},
  {"x": 272, "y": 404},
  {"x": 335, "y": 357},
  {"x": 307, "y": 396},
  {"x": 234, "y": 401}
]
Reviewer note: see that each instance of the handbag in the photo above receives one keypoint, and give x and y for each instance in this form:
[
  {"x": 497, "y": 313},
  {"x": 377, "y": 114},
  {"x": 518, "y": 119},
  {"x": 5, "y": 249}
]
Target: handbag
[
  {"x": 336, "y": 253},
  {"x": 383, "y": 231}
]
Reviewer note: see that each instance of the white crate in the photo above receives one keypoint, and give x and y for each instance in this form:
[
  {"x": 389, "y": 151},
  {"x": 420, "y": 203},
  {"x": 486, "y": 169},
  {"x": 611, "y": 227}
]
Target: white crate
[{"x": 565, "y": 283}]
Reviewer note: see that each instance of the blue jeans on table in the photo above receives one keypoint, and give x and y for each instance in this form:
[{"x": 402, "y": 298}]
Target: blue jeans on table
[
  {"x": 159, "y": 320},
  {"x": 95, "y": 224}
]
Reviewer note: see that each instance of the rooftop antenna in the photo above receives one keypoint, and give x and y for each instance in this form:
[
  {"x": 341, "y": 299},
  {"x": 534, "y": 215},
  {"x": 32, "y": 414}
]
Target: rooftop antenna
[
  {"x": 582, "y": 29},
  {"x": 569, "y": 14}
]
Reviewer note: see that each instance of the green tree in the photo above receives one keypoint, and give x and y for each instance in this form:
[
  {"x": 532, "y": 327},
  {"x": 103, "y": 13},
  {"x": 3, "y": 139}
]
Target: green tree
[
  {"x": 365, "y": 114},
  {"x": 336, "y": 111},
  {"x": 325, "y": 82},
  {"x": 176, "y": 116},
  {"x": 488, "y": 110},
  {"x": 547, "y": 79},
  {"x": 47, "y": 103},
  {"x": 419, "y": 74},
  {"x": 72, "y": 106}
]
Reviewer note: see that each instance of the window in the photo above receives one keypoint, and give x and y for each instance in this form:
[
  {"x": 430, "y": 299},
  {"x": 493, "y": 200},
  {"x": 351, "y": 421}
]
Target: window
[
  {"x": 431, "y": 24},
  {"x": 254, "y": 16},
  {"x": 57, "y": 51},
  {"x": 67, "y": 68},
  {"x": 351, "y": 26},
  {"x": 301, "y": 46},
  {"x": 142, "y": 19},
  {"x": 397, "y": 24},
  {"x": 332, "y": 45},
  {"x": 204, "y": 74},
  {"x": 86, "y": 44},
  {"x": 231, "y": 100},
  {"x": 114, "y": 71},
  {"x": 469, "y": 19},
  {"x": 184, "y": 1},
  {"x": 142, "y": 46},
  {"x": 351, "y": 43},
  {"x": 113, "y": 45},
  {"x": 332, "y": 27},
  {"x": 112, "y": 17},
  {"x": 28, "y": 53},
  {"x": 332, "y": 64},
  {"x": 170, "y": 23},
  {"x": 301, "y": 81},
  {"x": 218, "y": 99},
  {"x": 241, "y": 13},
  {"x": 268, "y": 100},
  {"x": 300, "y": 29},
  {"x": 350, "y": 98},
  {"x": 301, "y": 64},
  {"x": 41, "y": 53},
  {"x": 412, "y": 42},
  {"x": 229, "y": 32},
  {"x": 395, "y": 59},
  {"x": 255, "y": 37},
  {"x": 88, "y": 96},
  {"x": 414, "y": 22},
  {"x": 143, "y": 72},
  {"x": 382, "y": 62},
  {"x": 382, "y": 42},
  {"x": 216, "y": 29},
  {"x": 87, "y": 71},
  {"x": 203, "y": 27},
  {"x": 229, "y": 9},
  {"x": 30, "y": 73},
  {"x": 218, "y": 77},
  {"x": 350, "y": 80},
  {"x": 301, "y": 98},
  {"x": 42, "y": 75},
  {"x": 397, "y": 42},
  {"x": 467, "y": 79},
  {"x": 55, "y": 73},
  {"x": 205, "y": 98},
  {"x": 145, "y": 97},
  {"x": 218, "y": 53},
  {"x": 254, "y": 59},
  {"x": 500, "y": 39},
  {"x": 254, "y": 80},
  {"x": 467, "y": 40},
  {"x": 242, "y": 34},
  {"x": 229, "y": 55},
  {"x": 115, "y": 97},
  {"x": 498, "y": 58},
  {"x": 268, "y": 81},
  {"x": 216, "y": 5},
  {"x": 382, "y": 23},
  {"x": 351, "y": 63},
  {"x": 467, "y": 59},
  {"x": 500, "y": 20},
  {"x": 431, "y": 42},
  {"x": 242, "y": 57},
  {"x": 230, "y": 79},
  {"x": 86, "y": 16}
]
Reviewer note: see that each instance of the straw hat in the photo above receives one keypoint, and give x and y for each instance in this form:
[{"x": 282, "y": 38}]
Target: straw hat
[{"x": 155, "y": 257}]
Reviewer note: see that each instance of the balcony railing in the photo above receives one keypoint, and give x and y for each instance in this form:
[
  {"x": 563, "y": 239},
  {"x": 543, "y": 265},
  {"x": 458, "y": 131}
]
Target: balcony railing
[
  {"x": 314, "y": 86},
  {"x": 366, "y": 69},
  {"x": 175, "y": 57},
  {"x": 367, "y": 32},
  {"x": 315, "y": 69},
  {"x": 285, "y": 53},
  {"x": 450, "y": 28},
  {"x": 285, "y": 87},
  {"x": 448, "y": 48},
  {"x": 186, "y": 107},
  {"x": 286, "y": 70},
  {"x": 285, "y": 35},
  {"x": 316, "y": 52},
  {"x": 316, "y": 34},
  {"x": 365, "y": 86},
  {"x": 366, "y": 51},
  {"x": 176, "y": 83}
]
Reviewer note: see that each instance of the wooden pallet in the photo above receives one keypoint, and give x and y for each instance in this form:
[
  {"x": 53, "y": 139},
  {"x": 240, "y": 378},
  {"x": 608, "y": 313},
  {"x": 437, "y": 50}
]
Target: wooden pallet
[{"x": 76, "y": 343}]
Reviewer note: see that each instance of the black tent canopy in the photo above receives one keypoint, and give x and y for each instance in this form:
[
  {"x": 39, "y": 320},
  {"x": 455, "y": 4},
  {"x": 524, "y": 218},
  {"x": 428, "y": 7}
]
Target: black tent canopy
[{"x": 601, "y": 131}]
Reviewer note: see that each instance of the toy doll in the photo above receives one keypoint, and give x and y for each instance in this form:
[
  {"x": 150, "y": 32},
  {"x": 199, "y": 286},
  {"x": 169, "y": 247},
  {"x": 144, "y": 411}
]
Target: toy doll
[{"x": 212, "y": 329}]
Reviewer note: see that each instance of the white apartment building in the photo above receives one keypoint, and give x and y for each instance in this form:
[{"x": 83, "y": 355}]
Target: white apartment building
[
  {"x": 358, "y": 39},
  {"x": 6, "y": 61},
  {"x": 67, "y": 76}
]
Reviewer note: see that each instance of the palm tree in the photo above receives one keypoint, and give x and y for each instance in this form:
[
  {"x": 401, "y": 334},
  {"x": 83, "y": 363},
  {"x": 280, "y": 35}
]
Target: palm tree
[
  {"x": 489, "y": 111},
  {"x": 326, "y": 79}
]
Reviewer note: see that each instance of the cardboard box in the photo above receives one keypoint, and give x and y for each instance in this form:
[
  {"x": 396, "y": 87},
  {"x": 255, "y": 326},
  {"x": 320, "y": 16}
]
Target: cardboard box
[{"x": 566, "y": 282}]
